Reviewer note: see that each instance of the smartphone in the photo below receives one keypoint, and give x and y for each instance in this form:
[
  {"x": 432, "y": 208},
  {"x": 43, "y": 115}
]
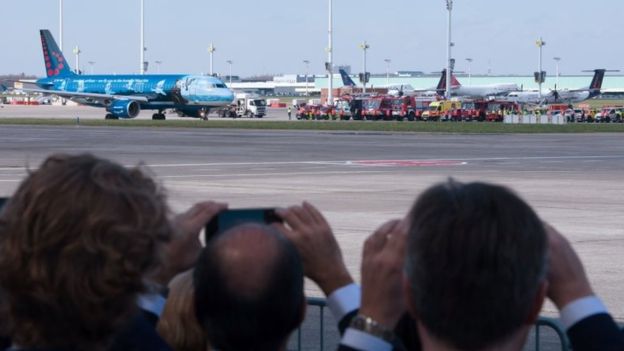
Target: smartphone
[
  {"x": 227, "y": 219},
  {"x": 3, "y": 201}
]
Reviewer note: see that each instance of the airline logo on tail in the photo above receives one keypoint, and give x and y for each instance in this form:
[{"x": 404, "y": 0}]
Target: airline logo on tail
[
  {"x": 346, "y": 80},
  {"x": 596, "y": 82},
  {"x": 441, "y": 87},
  {"x": 55, "y": 63}
]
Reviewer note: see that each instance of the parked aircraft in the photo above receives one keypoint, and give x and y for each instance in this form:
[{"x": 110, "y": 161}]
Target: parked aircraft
[
  {"x": 124, "y": 96},
  {"x": 561, "y": 96},
  {"x": 457, "y": 89},
  {"x": 393, "y": 89}
]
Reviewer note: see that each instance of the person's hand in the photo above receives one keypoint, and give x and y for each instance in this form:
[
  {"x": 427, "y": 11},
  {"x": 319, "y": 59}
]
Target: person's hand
[
  {"x": 382, "y": 273},
  {"x": 182, "y": 251},
  {"x": 322, "y": 259},
  {"x": 567, "y": 280}
]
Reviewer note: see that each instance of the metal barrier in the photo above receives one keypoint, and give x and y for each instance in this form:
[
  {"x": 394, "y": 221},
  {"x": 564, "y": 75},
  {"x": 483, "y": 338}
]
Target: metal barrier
[{"x": 542, "y": 322}]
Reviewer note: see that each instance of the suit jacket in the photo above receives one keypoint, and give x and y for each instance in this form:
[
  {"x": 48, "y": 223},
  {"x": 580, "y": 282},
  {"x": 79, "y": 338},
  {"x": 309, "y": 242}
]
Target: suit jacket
[
  {"x": 596, "y": 332},
  {"x": 140, "y": 335}
]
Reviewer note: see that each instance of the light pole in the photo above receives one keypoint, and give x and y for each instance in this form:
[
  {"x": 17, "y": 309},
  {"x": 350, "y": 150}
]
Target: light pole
[
  {"x": 158, "y": 63},
  {"x": 387, "y": 61},
  {"x": 91, "y": 63},
  {"x": 557, "y": 59},
  {"x": 330, "y": 63},
  {"x": 469, "y": 70},
  {"x": 307, "y": 63},
  {"x": 61, "y": 24},
  {"x": 77, "y": 53},
  {"x": 364, "y": 46},
  {"x": 211, "y": 50},
  {"x": 229, "y": 62},
  {"x": 142, "y": 65},
  {"x": 540, "y": 43},
  {"x": 449, "y": 7}
]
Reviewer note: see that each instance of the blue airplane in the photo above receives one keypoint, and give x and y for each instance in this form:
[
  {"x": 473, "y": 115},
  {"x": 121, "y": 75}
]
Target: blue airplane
[{"x": 124, "y": 96}]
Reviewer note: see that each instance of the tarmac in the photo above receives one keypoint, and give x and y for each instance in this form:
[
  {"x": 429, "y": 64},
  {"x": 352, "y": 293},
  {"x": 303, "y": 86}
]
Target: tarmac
[{"x": 360, "y": 180}]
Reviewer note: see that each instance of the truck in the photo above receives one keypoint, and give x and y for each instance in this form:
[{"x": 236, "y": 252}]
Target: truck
[
  {"x": 245, "y": 105},
  {"x": 442, "y": 109}
]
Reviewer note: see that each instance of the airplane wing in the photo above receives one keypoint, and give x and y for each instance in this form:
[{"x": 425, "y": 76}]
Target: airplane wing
[{"x": 93, "y": 96}]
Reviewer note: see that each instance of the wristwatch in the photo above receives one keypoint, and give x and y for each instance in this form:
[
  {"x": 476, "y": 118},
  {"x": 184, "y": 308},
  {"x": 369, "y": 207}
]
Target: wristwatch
[{"x": 372, "y": 327}]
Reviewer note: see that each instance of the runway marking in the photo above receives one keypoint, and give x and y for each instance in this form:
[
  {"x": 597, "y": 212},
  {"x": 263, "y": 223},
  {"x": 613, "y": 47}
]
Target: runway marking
[
  {"x": 269, "y": 174},
  {"x": 342, "y": 162},
  {"x": 406, "y": 163}
]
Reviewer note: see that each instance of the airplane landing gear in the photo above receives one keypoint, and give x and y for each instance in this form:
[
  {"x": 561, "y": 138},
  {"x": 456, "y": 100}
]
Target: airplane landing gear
[
  {"x": 110, "y": 116},
  {"x": 159, "y": 116},
  {"x": 203, "y": 114}
]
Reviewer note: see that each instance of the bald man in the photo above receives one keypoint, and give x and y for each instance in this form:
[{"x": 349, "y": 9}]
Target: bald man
[{"x": 249, "y": 289}]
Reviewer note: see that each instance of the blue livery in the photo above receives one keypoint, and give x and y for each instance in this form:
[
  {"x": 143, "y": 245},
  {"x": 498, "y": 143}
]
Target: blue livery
[{"x": 124, "y": 96}]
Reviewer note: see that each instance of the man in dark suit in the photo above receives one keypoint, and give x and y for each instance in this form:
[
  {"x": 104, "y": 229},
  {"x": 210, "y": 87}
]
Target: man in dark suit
[
  {"x": 475, "y": 276},
  {"x": 469, "y": 264},
  {"x": 249, "y": 289}
]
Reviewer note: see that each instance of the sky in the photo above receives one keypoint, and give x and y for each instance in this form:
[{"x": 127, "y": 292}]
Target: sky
[{"x": 275, "y": 36}]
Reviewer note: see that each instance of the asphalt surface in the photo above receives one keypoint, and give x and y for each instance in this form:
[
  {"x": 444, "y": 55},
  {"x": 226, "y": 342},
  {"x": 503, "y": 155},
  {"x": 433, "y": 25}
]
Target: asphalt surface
[
  {"x": 360, "y": 180},
  {"x": 86, "y": 112}
]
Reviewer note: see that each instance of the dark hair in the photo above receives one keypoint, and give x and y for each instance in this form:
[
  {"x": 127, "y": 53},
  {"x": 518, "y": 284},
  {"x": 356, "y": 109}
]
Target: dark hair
[
  {"x": 76, "y": 240},
  {"x": 476, "y": 258},
  {"x": 235, "y": 319}
]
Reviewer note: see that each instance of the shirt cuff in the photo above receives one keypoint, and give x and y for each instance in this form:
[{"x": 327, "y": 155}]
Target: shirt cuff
[
  {"x": 344, "y": 300},
  {"x": 580, "y": 309},
  {"x": 360, "y": 340},
  {"x": 154, "y": 303}
]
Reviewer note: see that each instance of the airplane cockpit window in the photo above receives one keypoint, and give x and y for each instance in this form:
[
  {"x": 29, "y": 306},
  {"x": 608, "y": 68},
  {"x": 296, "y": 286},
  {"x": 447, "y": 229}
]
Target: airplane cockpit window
[{"x": 221, "y": 85}]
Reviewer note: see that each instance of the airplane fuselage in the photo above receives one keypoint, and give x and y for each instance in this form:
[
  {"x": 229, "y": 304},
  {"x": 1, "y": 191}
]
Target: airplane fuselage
[
  {"x": 161, "y": 91},
  {"x": 483, "y": 90}
]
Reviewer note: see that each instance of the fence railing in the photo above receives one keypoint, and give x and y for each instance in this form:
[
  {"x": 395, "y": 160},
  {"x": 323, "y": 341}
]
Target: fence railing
[{"x": 542, "y": 323}]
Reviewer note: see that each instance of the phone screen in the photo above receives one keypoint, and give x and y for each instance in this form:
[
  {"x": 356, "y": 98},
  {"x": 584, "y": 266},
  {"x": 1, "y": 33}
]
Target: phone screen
[
  {"x": 230, "y": 218},
  {"x": 3, "y": 201}
]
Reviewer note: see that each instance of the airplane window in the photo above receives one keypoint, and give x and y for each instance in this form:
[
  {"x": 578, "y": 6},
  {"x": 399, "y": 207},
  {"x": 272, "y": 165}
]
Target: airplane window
[{"x": 220, "y": 85}]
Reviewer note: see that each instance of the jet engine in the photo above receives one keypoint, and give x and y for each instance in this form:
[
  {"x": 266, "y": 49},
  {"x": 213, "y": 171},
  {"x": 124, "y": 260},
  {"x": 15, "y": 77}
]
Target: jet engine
[{"x": 124, "y": 108}]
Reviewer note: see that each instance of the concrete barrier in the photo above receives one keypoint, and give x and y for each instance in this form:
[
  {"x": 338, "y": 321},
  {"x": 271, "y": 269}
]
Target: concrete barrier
[{"x": 533, "y": 119}]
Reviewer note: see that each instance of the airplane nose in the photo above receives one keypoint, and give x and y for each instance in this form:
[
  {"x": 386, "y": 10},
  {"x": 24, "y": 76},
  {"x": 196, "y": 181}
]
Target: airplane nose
[{"x": 229, "y": 94}]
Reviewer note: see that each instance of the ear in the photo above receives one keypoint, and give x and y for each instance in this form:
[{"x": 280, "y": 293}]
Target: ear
[
  {"x": 540, "y": 296},
  {"x": 407, "y": 295}
]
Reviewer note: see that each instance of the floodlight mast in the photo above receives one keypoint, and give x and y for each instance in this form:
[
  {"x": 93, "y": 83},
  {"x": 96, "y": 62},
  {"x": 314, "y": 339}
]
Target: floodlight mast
[
  {"x": 307, "y": 64},
  {"x": 387, "y": 61},
  {"x": 142, "y": 64},
  {"x": 540, "y": 43},
  {"x": 330, "y": 63},
  {"x": 557, "y": 59},
  {"x": 61, "y": 24},
  {"x": 211, "y": 50},
  {"x": 364, "y": 46},
  {"x": 469, "y": 70},
  {"x": 449, "y": 7}
]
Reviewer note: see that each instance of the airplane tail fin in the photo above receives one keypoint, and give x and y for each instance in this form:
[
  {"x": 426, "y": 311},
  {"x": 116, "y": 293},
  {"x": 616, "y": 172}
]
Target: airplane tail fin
[
  {"x": 441, "y": 87},
  {"x": 454, "y": 82},
  {"x": 346, "y": 80},
  {"x": 55, "y": 63},
  {"x": 596, "y": 83}
]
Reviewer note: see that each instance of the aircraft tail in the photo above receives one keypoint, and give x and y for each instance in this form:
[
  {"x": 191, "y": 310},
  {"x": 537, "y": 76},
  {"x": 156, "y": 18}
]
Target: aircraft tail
[
  {"x": 441, "y": 87},
  {"x": 55, "y": 63},
  {"x": 596, "y": 83},
  {"x": 454, "y": 82},
  {"x": 346, "y": 80}
]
